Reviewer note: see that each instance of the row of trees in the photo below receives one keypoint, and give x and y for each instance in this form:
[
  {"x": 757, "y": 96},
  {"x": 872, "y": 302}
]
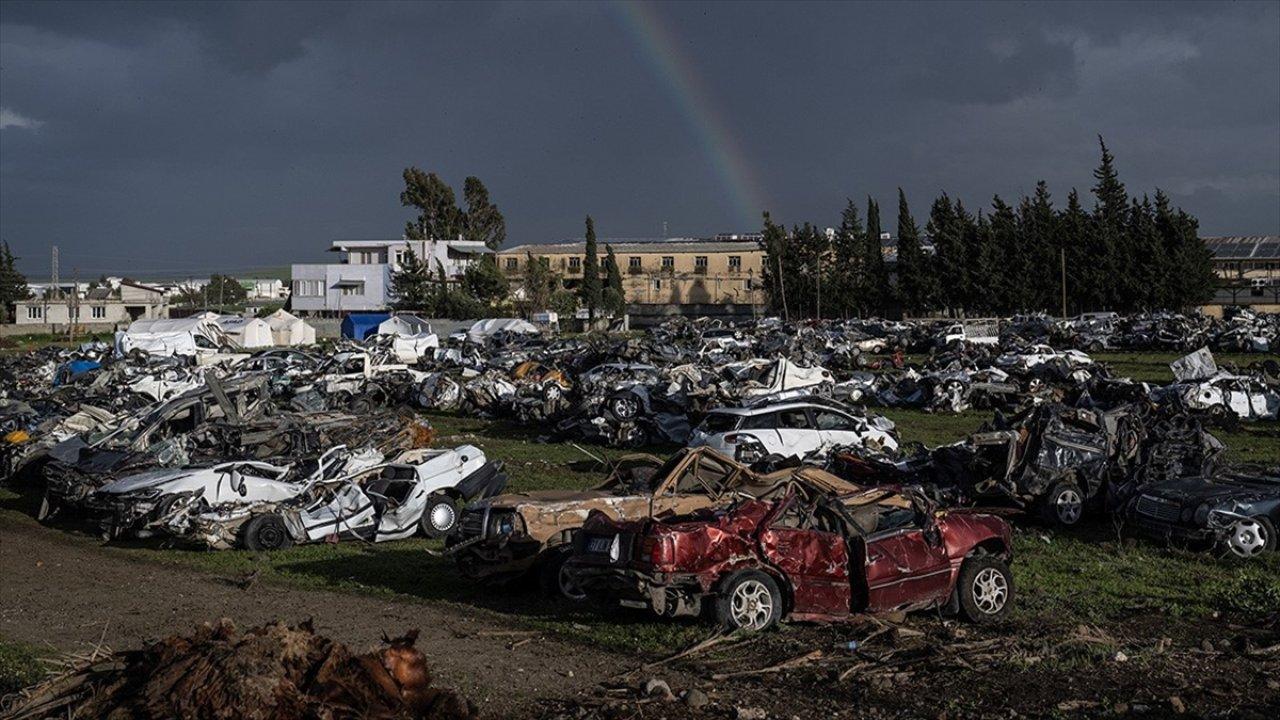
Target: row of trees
[
  {"x": 1126, "y": 254},
  {"x": 484, "y": 288}
]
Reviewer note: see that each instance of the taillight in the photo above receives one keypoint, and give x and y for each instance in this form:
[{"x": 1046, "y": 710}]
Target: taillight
[{"x": 655, "y": 550}]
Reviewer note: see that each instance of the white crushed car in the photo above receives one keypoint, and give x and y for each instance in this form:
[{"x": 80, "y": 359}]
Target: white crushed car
[
  {"x": 792, "y": 428},
  {"x": 261, "y": 506}
]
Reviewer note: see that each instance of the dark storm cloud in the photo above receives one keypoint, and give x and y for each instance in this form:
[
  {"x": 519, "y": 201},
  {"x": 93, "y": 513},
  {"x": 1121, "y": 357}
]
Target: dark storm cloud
[{"x": 184, "y": 137}]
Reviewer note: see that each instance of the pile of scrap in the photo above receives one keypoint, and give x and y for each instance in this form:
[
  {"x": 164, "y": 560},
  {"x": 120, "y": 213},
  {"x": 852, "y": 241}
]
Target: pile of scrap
[{"x": 274, "y": 671}]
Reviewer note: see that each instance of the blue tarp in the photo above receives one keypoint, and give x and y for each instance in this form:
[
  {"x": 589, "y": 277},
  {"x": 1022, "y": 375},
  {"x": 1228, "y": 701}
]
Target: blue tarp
[
  {"x": 71, "y": 370},
  {"x": 359, "y": 326}
]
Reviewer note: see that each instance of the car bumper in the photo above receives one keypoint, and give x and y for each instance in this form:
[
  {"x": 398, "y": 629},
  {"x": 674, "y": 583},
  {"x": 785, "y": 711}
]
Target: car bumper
[
  {"x": 670, "y": 595},
  {"x": 1166, "y": 531}
]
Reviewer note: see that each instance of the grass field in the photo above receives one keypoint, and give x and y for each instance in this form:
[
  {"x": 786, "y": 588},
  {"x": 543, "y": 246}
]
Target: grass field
[{"x": 1083, "y": 576}]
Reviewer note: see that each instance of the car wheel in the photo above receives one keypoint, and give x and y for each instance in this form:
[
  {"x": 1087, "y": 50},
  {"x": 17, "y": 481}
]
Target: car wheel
[
  {"x": 749, "y": 600},
  {"x": 440, "y": 516},
  {"x": 265, "y": 532},
  {"x": 624, "y": 407},
  {"x": 1064, "y": 504},
  {"x": 554, "y": 578},
  {"x": 985, "y": 589},
  {"x": 1250, "y": 537}
]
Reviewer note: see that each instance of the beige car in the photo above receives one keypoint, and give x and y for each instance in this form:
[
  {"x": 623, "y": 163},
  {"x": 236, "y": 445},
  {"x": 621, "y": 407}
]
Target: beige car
[{"x": 517, "y": 534}]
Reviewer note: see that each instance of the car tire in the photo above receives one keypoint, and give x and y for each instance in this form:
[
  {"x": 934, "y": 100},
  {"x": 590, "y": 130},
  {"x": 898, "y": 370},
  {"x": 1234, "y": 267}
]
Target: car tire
[
  {"x": 439, "y": 517},
  {"x": 749, "y": 600},
  {"x": 1252, "y": 537},
  {"x": 265, "y": 532},
  {"x": 552, "y": 578},
  {"x": 1064, "y": 504},
  {"x": 984, "y": 589},
  {"x": 1270, "y": 529}
]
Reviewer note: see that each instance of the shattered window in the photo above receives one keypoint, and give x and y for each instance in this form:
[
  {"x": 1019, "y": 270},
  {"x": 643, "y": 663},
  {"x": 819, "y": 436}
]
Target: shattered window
[
  {"x": 796, "y": 419},
  {"x": 764, "y": 421},
  {"x": 828, "y": 420}
]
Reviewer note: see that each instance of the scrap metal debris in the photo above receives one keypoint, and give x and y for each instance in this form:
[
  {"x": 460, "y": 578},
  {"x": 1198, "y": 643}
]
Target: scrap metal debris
[{"x": 273, "y": 671}]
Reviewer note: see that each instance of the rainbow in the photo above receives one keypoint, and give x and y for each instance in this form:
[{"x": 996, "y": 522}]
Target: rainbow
[{"x": 662, "y": 50}]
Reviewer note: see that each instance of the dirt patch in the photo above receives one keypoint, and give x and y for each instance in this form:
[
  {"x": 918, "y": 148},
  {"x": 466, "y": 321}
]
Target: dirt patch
[{"x": 67, "y": 594}]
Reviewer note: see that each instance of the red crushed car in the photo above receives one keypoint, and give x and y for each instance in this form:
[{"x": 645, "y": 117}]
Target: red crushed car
[{"x": 821, "y": 558}]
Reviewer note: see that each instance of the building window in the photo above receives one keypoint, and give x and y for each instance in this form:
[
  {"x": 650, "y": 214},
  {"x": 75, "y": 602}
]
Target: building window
[
  {"x": 74, "y": 313},
  {"x": 735, "y": 262},
  {"x": 633, "y": 262},
  {"x": 575, "y": 264},
  {"x": 99, "y": 312},
  {"x": 657, "y": 284},
  {"x": 35, "y": 312},
  {"x": 668, "y": 262},
  {"x": 513, "y": 263},
  {"x": 307, "y": 288},
  {"x": 353, "y": 288},
  {"x": 700, "y": 264}
]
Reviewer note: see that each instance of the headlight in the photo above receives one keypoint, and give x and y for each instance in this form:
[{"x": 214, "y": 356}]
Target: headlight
[
  {"x": 504, "y": 524},
  {"x": 1202, "y": 514}
]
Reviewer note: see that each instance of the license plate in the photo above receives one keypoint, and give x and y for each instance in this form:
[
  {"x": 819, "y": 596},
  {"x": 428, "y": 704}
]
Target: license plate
[
  {"x": 599, "y": 544},
  {"x": 634, "y": 604}
]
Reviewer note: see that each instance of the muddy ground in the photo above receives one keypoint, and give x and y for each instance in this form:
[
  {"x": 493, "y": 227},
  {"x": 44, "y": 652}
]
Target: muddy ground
[{"x": 65, "y": 592}]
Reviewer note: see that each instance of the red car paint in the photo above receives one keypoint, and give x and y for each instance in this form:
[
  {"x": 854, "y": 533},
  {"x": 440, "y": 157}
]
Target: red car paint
[{"x": 910, "y": 567}]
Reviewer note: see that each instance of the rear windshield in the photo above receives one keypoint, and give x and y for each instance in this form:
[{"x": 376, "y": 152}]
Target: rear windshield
[{"x": 719, "y": 422}]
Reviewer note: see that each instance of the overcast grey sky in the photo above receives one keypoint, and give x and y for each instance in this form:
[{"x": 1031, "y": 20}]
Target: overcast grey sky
[{"x": 183, "y": 138}]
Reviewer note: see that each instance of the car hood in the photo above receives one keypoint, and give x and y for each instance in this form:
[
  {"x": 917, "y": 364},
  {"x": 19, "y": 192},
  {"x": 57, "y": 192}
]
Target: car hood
[
  {"x": 1198, "y": 490},
  {"x": 143, "y": 481}
]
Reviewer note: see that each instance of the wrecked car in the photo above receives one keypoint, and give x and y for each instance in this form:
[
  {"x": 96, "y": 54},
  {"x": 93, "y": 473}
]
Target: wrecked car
[
  {"x": 517, "y": 534},
  {"x": 82, "y": 463},
  {"x": 136, "y": 504},
  {"x": 1054, "y": 458},
  {"x": 791, "y": 557},
  {"x": 418, "y": 491},
  {"x": 1236, "y": 510},
  {"x": 796, "y": 429}
]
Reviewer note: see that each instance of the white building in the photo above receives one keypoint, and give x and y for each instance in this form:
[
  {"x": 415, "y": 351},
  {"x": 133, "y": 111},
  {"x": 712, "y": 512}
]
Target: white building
[
  {"x": 361, "y": 281},
  {"x": 97, "y": 306}
]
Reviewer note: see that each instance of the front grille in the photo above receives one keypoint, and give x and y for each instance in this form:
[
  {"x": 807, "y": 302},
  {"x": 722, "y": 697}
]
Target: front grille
[
  {"x": 472, "y": 524},
  {"x": 1158, "y": 508}
]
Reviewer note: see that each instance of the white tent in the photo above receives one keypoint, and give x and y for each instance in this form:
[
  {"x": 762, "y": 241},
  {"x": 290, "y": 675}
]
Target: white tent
[
  {"x": 247, "y": 333},
  {"x": 404, "y": 325},
  {"x": 289, "y": 329}
]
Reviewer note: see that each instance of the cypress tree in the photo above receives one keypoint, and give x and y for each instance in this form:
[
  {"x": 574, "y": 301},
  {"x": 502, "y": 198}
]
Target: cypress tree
[
  {"x": 949, "y": 265},
  {"x": 914, "y": 280},
  {"x": 1038, "y": 236},
  {"x": 13, "y": 284},
  {"x": 411, "y": 283},
  {"x": 613, "y": 296},
  {"x": 846, "y": 279},
  {"x": 1110, "y": 253},
  {"x": 877, "y": 278},
  {"x": 589, "y": 291},
  {"x": 773, "y": 276},
  {"x": 1005, "y": 260},
  {"x": 1075, "y": 232}
]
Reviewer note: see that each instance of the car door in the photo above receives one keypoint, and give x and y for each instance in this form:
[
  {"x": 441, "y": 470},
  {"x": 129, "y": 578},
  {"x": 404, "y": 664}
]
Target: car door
[
  {"x": 815, "y": 563},
  {"x": 796, "y": 432},
  {"x": 836, "y": 428},
  {"x": 906, "y": 567}
]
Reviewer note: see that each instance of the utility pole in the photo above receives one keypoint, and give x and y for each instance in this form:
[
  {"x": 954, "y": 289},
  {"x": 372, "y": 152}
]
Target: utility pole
[
  {"x": 782, "y": 290},
  {"x": 73, "y": 307},
  {"x": 1062, "y": 255}
]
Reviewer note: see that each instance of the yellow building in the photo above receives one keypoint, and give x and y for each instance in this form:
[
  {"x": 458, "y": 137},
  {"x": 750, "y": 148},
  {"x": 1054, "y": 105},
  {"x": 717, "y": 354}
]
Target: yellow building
[{"x": 691, "y": 274}]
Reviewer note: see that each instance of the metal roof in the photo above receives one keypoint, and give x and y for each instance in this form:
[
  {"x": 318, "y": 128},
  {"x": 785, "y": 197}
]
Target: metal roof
[{"x": 1244, "y": 247}]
